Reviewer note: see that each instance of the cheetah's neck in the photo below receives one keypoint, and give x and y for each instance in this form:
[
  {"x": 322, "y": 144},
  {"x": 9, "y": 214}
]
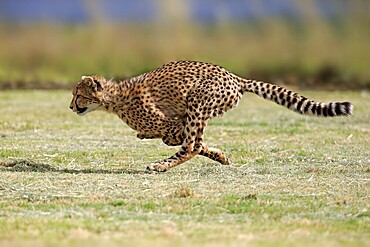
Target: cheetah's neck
[{"x": 115, "y": 95}]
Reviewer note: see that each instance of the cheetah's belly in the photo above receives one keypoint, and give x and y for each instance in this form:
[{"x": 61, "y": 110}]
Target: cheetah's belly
[{"x": 151, "y": 121}]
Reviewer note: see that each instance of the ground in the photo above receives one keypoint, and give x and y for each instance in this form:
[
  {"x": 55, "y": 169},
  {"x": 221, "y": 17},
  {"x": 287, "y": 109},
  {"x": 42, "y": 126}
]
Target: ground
[{"x": 295, "y": 181}]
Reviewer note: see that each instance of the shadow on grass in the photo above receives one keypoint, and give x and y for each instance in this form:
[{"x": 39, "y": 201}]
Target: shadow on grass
[{"x": 31, "y": 166}]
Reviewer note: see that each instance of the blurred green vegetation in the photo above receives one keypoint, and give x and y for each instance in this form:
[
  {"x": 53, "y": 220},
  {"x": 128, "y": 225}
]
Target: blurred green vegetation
[{"x": 310, "y": 54}]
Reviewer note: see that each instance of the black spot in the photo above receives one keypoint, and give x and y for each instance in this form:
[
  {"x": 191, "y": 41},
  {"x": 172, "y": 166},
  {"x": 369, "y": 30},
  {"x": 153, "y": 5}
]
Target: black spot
[
  {"x": 283, "y": 102},
  {"x": 319, "y": 110},
  {"x": 294, "y": 100},
  {"x": 307, "y": 106},
  {"x": 331, "y": 110},
  {"x": 347, "y": 107},
  {"x": 325, "y": 111},
  {"x": 337, "y": 109},
  {"x": 281, "y": 96},
  {"x": 299, "y": 105},
  {"x": 198, "y": 139},
  {"x": 313, "y": 109}
]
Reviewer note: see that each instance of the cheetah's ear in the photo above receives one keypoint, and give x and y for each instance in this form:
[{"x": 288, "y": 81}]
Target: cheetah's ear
[
  {"x": 97, "y": 85},
  {"x": 88, "y": 80},
  {"x": 94, "y": 83}
]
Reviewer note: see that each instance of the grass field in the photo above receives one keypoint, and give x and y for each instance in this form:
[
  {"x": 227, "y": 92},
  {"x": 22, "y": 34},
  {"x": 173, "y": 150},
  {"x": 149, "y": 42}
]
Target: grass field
[{"x": 296, "y": 181}]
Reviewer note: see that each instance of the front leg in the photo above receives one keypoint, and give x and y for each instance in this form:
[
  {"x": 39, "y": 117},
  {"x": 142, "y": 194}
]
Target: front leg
[
  {"x": 191, "y": 146},
  {"x": 184, "y": 154}
]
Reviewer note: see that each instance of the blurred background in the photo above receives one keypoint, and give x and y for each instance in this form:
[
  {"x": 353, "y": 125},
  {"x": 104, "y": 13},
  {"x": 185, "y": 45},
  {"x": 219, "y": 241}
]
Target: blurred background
[{"x": 311, "y": 44}]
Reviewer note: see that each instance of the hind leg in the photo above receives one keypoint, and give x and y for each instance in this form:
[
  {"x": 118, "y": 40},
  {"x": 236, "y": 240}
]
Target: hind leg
[{"x": 214, "y": 154}]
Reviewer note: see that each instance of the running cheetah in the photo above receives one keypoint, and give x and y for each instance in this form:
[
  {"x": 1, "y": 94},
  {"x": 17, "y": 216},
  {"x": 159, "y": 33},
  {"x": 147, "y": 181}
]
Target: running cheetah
[{"x": 175, "y": 102}]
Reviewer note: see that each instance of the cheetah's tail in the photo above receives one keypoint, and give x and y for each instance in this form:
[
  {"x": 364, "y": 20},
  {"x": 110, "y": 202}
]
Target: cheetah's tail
[{"x": 296, "y": 102}]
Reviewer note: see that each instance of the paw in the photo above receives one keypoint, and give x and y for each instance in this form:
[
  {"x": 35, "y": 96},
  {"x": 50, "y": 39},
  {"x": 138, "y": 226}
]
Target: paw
[
  {"x": 158, "y": 166},
  {"x": 140, "y": 136},
  {"x": 225, "y": 161}
]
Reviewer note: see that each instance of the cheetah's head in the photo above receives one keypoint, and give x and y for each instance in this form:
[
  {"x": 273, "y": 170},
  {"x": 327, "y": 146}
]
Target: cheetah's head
[{"x": 87, "y": 95}]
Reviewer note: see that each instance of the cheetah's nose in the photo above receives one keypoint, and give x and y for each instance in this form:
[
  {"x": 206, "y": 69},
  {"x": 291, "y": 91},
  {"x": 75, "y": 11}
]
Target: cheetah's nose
[{"x": 71, "y": 107}]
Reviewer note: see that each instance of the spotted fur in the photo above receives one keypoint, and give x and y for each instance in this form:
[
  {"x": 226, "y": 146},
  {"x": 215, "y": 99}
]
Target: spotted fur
[{"x": 175, "y": 102}]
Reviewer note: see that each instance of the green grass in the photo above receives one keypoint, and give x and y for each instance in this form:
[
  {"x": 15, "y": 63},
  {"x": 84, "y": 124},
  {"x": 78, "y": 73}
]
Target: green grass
[{"x": 296, "y": 181}]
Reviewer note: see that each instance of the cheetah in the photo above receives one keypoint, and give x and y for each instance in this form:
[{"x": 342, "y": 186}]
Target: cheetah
[{"x": 175, "y": 102}]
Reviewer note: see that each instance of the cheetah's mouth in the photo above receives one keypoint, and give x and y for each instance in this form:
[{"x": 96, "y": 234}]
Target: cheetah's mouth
[{"x": 81, "y": 111}]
